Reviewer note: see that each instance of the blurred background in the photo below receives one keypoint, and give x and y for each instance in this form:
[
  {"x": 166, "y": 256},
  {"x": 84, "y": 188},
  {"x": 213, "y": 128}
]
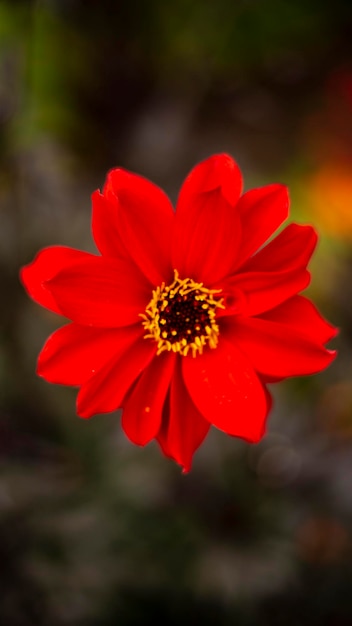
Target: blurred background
[{"x": 94, "y": 531}]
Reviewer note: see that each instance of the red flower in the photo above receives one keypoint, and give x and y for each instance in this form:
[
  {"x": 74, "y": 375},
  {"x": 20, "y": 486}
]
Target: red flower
[{"x": 181, "y": 321}]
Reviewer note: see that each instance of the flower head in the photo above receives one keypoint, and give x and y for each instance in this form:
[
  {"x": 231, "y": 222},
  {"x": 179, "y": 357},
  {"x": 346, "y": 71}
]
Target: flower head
[{"x": 184, "y": 316}]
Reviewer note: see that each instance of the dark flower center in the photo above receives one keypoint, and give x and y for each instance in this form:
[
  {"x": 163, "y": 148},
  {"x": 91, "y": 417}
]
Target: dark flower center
[{"x": 182, "y": 316}]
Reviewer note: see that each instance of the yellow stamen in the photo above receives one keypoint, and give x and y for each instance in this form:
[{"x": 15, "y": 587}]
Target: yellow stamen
[{"x": 181, "y": 317}]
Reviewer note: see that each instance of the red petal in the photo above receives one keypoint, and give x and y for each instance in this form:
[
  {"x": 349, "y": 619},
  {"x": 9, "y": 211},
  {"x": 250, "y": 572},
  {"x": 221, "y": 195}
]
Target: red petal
[
  {"x": 290, "y": 250},
  {"x": 106, "y": 390},
  {"x": 300, "y": 314},
  {"x": 74, "y": 353},
  {"x": 45, "y": 265},
  {"x": 101, "y": 292},
  {"x": 145, "y": 223},
  {"x": 105, "y": 226},
  {"x": 183, "y": 428},
  {"x": 253, "y": 293},
  {"x": 276, "y": 349},
  {"x": 262, "y": 211},
  {"x": 218, "y": 171},
  {"x": 207, "y": 226},
  {"x": 227, "y": 391},
  {"x": 142, "y": 411}
]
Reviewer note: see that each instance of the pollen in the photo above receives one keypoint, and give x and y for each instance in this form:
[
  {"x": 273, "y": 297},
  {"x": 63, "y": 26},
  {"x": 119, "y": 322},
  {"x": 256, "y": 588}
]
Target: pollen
[{"x": 181, "y": 317}]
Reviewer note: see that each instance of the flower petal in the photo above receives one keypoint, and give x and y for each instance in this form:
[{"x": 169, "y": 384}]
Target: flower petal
[
  {"x": 105, "y": 225},
  {"x": 145, "y": 222},
  {"x": 45, "y": 265},
  {"x": 218, "y": 171},
  {"x": 262, "y": 211},
  {"x": 183, "y": 427},
  {"x": 290, "y": 250},
  {"x": 300, "y": 314},
  {"x": 105, "y": 391},
  {"x": 227, "y": 391},
  {"x": 142, "y": 410},
  {"x": 275, "y": 349},
  {"x": 74, "y": 353},
  {"x": 207, "y": 226},
  {"x": 252, "y": 293},
  {"x": 101, "y": 292}
]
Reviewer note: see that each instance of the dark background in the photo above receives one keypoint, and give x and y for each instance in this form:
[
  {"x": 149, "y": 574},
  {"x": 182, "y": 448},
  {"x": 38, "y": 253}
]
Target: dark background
[{"x": 94, "y": 531}]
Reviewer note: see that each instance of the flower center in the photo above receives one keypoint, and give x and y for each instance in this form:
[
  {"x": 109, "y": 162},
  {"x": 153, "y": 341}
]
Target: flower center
[{"x": 182, "y": 316}]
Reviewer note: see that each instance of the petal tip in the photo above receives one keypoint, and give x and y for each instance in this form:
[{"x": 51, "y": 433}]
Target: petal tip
[
  {"x": 25, "y": 273},
  {"x": 331, "y": 332},
  {"x": 39, "y": 369},
  {"x": 335, "y": 331},
  {"x": 83, "y": 412},
  {"x": 96, "y": 195},
  {"x": 22, "y": 274},
  {"x": 219, "y": 171}
]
